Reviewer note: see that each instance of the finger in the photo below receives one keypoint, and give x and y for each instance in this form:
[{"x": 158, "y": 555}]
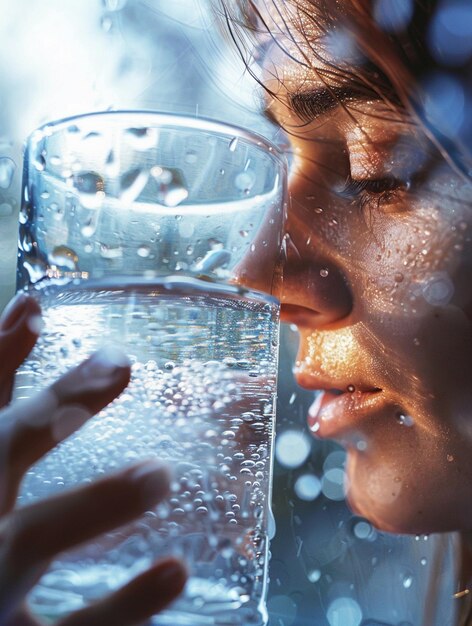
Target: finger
[
  {"x": 144, "y": 596},
  {"x": 22, "y": 618},
  {"x": 19, "y": 329},
  {"x": 32, "y": 535},
  {"x": 30, "y": 428}
]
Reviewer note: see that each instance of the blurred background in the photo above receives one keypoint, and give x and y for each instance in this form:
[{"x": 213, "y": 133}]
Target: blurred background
[{"x": 328, "y": 567}]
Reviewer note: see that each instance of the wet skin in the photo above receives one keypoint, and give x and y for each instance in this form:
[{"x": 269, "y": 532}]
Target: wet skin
[{"x": 379, "y": 260}]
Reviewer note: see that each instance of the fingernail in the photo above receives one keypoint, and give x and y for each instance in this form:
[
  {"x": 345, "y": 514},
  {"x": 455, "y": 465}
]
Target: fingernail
[
  {"x": 105, "y": 362},
  {"x": 35, "y": 324},
  {"x": 153, "y": 479},
  {"x": 13, "y": 311}
]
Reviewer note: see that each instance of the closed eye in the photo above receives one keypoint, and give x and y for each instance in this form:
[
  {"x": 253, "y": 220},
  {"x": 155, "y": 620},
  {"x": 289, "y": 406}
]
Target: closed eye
[{"x": 353, "y": 188}]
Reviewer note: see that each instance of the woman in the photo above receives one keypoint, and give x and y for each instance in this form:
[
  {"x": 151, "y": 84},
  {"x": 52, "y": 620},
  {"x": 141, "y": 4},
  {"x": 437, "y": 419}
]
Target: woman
[
  {"x": 377, "y": 280},
  {"x": 373, "y": 96}
]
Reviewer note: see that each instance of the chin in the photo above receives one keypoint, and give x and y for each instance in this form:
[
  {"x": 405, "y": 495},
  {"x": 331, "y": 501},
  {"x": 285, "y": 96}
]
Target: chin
[{"x": 402, "y": 505}]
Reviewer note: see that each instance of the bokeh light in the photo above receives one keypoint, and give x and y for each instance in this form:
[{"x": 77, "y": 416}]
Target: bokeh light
[
  {"x": 393, "y": 15},
  {"x": 292, "y": 448},
  {"x": 344, "y": 612},
  {"x": 308, "y": 487},
  {"x": 450, "y": 33}
]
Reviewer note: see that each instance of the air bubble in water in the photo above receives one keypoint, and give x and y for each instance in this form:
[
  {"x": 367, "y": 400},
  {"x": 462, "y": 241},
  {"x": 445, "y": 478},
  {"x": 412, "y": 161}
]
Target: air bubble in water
[
  {"x": 64, "y": 258},
  {"x": 132, "y": 184},
  {"x": 7, "y": 170}
]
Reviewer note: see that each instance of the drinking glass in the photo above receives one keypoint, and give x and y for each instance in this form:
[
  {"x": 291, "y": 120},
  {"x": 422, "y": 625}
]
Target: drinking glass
[{"x": 147, "y": 232}]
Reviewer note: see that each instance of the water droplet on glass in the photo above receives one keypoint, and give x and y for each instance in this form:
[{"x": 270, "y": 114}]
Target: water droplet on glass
[
  {"x": 233, "y": 144},
  {"x": 64, "y": 258},
  {"x": 172, "y": 189},
  {"x": 314, "y": 575},
  {"x": 191, "y": 157},
  {"x": 91, "y": 189},
  {"x": 213, "y": 260},
  {"x": 7, "y": 170},
  {"x": 6, "y": 209},
  {"x": 142, "y": 138},
  {"x": 407, "y": 581},
  {"x": 324, "y": 273},
  {"x": 144, "y": 251},
  {"x": 423, "y": 561},
  {"x": 404, "y": 419},
  {"x": 132, "y": 184},
  {"x": 40, "y": 162},
  {"x": 110, "y": 252},
  {"x": 244, "y": 181},
  {"x": 114, "y": 5}
]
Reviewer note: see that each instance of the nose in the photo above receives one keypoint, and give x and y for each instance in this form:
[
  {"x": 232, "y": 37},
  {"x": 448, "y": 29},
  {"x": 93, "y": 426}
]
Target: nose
[{"x": 314, "y": 292}]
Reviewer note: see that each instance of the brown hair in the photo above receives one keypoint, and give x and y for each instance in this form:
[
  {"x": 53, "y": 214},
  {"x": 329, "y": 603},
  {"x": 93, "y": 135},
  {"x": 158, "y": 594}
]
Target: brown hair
[{"x": 396, "y": 61}]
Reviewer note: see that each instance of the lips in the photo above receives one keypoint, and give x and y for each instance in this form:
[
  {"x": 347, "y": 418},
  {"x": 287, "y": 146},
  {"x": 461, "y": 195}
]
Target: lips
[{"x": 334, "y": 412}]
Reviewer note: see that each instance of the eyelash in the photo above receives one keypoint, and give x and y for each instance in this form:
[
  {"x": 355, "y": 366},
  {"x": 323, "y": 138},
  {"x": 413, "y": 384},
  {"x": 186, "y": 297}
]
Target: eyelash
[{"x": 372, "y": 193}]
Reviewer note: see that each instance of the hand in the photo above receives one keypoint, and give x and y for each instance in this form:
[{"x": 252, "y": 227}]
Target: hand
[{"x": 32, "y": 535}]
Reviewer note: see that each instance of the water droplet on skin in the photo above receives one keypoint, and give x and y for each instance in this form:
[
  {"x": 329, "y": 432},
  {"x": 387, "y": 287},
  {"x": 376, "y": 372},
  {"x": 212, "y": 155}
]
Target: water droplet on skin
[
  {"x": 450, "y": 458},
  {"x": 7, "y": 171},
  {"x": 404, "y": 419},
  {"x": 399, "y": 277},
  {"x": 233, "y": 144},
  {"x": 351, "y": 388},
  {"x": 64, "y": 258},
  {"x": 318, "y": 210},
  {"x": 324, "y": 273}
]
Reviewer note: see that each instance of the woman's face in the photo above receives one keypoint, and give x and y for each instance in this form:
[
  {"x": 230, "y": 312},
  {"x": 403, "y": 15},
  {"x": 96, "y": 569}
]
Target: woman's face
[{"x": 378, "y": 281}]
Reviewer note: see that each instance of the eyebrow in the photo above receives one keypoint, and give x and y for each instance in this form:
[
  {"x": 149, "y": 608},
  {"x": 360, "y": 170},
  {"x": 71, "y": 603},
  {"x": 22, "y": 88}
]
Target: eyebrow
[{"x": 314, "y": 103}]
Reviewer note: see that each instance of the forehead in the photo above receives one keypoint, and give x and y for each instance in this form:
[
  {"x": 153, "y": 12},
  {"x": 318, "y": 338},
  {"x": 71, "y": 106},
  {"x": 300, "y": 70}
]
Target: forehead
[{"x": 307, "y": 40}]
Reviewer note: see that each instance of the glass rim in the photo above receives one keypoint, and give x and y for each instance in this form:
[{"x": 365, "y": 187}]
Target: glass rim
[{"x": 169, "y": 120}]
